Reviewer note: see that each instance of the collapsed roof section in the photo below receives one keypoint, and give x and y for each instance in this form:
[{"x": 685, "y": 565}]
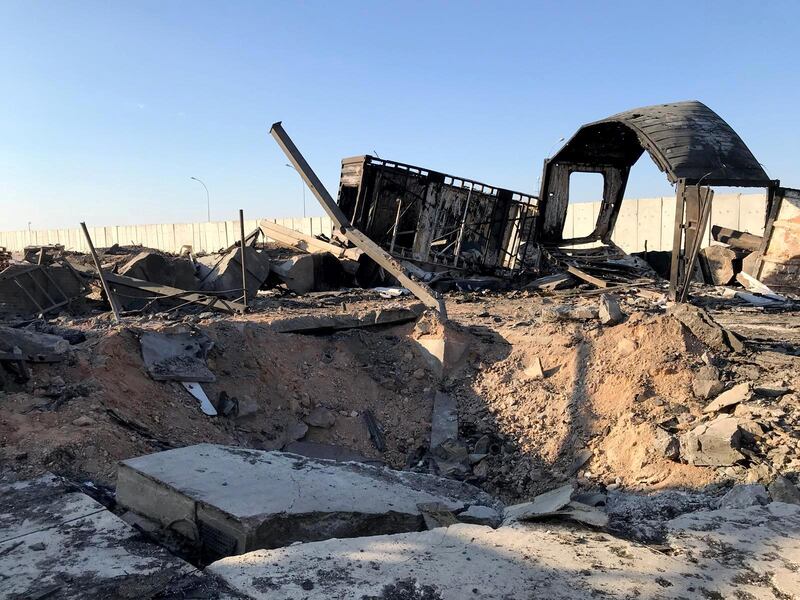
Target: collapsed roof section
[{"x": 687, "y": 140}]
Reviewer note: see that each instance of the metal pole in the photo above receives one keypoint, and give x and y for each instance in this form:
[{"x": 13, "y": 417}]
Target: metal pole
[
  {"x": 244, "y": 268},
  {"x": 111, "y": 299},
  {"x": 208, "y": 197}
]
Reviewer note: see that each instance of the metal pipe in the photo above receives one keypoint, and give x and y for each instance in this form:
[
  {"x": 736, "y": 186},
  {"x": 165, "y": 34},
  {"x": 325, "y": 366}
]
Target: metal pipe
[
  {"x": 109, "y": 294},
  {"x": 244, "y": 268}
]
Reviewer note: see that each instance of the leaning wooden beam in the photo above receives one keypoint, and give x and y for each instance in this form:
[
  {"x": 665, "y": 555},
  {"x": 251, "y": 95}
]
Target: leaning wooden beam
[
  {"x": 370, "y": 248},
  {"x": 307, "y": 243},
  {"x": 208, "y": 300},
  {"x": 584, "y": 276},
  {"x": 109, "y": 294},
  {"x": 385, "y": 260}
]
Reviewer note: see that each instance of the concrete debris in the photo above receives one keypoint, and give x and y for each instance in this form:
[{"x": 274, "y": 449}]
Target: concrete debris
[
  {"x": 470, "y": 561},
  {"x": 706, "y": 383},
  {"x": 543, "y": 505},
  {"x": 715, "y": 443},
  {"x": 741, "y": 392},
  {"x": 551, "y": 283},
  {"x": 744, "y": 495},
  {"x": 705, "y": 329},
  {"x": 481, "y": 515},
  {"x": 610, "y": 312},
  {"x": 718, "y": 264},
  {"x": 666, "y": 444},
  {"x": 224, "y": 274},
  {"x": 219, "y": 491},
  {"x": 32, "y": 344},
  {"x": 329, "y": 452},
  {"x": 57, "y": 542},
  {"x": 317, "y": 272},
  {"x": 196, "y": 390},
  {"x": 158, "y": 268},
  {"x": 783, "y": 490}
]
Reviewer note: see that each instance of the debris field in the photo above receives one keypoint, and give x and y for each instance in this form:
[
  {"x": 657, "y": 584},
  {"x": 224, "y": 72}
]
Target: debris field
[{"x": 441, "y": 399}]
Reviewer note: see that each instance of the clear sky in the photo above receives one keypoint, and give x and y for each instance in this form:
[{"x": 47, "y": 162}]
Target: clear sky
[{"x": 108, "y": 108}]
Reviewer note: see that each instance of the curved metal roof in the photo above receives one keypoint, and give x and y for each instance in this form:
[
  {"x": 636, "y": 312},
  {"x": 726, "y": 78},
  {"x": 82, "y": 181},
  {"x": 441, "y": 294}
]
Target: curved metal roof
[{"x": 687, "y": 140}]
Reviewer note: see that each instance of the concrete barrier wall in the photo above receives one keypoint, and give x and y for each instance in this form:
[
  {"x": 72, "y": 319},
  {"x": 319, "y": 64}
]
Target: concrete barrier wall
[
  {"x": 169, "y": 237},
  {"x": 651, "y": 221},
  {"x": 641, "y": 221}
]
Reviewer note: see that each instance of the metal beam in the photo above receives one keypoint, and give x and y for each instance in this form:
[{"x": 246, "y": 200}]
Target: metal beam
[
  {"x": 309, "y": 177},
  {"x": 359, "y": 239},
  {"x": 112, "y": 300}
]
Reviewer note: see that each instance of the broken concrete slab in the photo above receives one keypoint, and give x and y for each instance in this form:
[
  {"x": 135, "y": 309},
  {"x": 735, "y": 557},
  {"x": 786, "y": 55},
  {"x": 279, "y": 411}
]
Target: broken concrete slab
[
  {"x": 239, "y": 500},
  {"x": 224, "y": 274},
  {"x": 543, "y": 505},
  {"x": 534, "y": 370},
  {"x": 714, "y": 443},
  {"x": 178, "y": 355},
  {"x": 157, "y": 268},
  {"x": 58, "y": 542},
  {"x": 481, "y": 515},
  {"x": 706, "y": 383},
  {"x": 609, "y": 311},
  {"x": 470, "y": 561},
  {"x": 741, "y": 392}
]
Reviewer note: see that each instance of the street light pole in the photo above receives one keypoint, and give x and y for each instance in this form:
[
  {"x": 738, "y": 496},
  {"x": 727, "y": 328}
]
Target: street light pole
[
  {"x": 302, "y": 187},
  {"x": 208, "y": 198}
]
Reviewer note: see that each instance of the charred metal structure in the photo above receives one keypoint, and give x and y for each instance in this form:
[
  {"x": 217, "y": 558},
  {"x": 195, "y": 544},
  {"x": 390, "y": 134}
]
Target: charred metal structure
[
  {"x": 688, "y": 141},
  {"x": 439, "y": 221}
]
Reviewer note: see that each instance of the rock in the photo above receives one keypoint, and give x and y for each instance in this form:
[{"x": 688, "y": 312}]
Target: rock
[
  {"x": 534, "y": 370},
  {"x": 706, "y": 383},
  {"x": 31, "y": 342},
  {"x": 744, "y": 495},
  {"x": 321, "y": 417},
  {"x": 247, "y": 407},
  {"x": 626, "y": 347},
  {"x": 666, "y": 445},
  {"x": 84, "y": 421},
  {"x": 295, "y": 430},
  {"x": 444, "y": 419},
  {"x": 771, "y": 390},
  {"x": 783, "y": 490},
  {"x": 705, "y": 329},
  {"x": 714, "y": 443},
  {"x": 419, "y": 374},
  {"x": 481, "y": 515},
  {"x": 268, "y": 499},
  {"x": 609, "y": 310},
  {"x": 736, "y": 395}
]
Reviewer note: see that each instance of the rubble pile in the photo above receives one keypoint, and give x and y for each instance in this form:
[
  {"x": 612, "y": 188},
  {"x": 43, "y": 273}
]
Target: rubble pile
[{"x": 442, "y": 399}]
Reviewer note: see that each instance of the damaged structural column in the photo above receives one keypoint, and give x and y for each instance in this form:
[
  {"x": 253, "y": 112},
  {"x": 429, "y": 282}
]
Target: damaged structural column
[{"x": 430, "y": 298}]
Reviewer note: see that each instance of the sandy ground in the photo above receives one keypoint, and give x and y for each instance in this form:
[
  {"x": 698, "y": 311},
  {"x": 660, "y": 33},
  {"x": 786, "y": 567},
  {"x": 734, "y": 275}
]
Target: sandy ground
[{"x": 594, "y": 415}]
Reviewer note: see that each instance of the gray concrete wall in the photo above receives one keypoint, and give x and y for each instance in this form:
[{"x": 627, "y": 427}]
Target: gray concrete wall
[{"x": 642, "y": 220}]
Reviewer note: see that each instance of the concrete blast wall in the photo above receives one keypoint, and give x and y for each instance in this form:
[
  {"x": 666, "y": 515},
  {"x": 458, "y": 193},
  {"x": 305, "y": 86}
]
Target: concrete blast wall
[{"x": 641, "y": 221}]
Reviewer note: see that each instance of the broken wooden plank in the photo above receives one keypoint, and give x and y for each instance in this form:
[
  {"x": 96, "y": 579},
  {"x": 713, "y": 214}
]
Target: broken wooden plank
[
  {"x": 584, "y": 276},
  {"x": 307, "y": 243}
]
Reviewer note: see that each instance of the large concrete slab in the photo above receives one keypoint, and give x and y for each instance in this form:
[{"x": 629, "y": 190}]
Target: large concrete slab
[
  {"x": 59, "y": 543},
  {"x": 750, "y": 553},
  {"x": 237, "y": 500}
]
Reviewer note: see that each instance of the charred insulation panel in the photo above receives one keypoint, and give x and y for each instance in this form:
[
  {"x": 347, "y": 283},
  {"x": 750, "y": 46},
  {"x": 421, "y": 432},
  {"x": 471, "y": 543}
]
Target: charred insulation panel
[{"x": 436, "y": 219}]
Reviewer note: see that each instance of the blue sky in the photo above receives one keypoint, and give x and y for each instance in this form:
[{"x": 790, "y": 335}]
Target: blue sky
[{"x": 107, "y": 108}]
